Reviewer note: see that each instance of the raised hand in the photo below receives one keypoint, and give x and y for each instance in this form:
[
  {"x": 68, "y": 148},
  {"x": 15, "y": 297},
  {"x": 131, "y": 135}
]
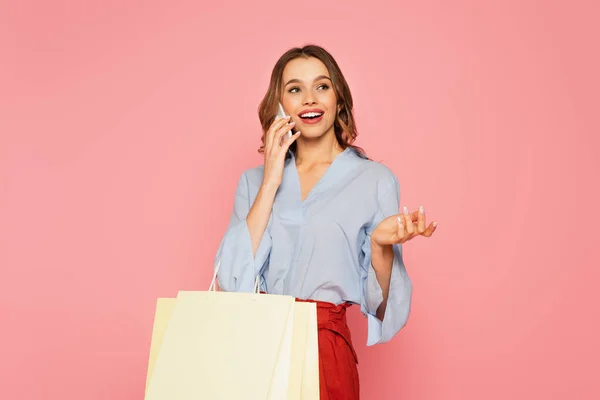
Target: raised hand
[
  {"x": 402, "y": 227},
  {"x": 276, "y": 148}
]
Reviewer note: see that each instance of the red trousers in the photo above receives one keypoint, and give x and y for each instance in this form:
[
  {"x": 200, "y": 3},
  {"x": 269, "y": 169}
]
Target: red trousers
[{"x": 338, "y": 373}]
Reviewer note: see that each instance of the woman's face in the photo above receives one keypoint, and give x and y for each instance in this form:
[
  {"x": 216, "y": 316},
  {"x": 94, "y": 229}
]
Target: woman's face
[{"x": 308, "y": 97}]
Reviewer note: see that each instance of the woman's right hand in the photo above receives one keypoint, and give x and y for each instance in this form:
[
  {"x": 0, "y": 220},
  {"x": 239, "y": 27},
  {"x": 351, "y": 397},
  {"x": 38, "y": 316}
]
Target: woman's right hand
[{"x": 276, "y": 147}]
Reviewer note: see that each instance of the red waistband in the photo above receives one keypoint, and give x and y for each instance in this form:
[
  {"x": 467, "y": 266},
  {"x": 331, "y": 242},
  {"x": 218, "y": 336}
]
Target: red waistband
[
  {"x": 329, "y": 315},
  {"x": 333, "y": 318}
]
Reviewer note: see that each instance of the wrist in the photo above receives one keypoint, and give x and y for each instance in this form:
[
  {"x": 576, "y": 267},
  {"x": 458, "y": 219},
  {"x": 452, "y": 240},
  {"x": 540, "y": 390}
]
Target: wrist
[
  {"x": 269, "y": 188},
  {"x": 382, "y": 262},
  {"x": 378, "y": 247},
  {"x": 381, "y": 250}
]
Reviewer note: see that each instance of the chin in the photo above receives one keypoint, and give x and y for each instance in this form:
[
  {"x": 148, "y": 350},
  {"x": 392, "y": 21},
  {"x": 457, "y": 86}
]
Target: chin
[{"x": 314, "y": 132}]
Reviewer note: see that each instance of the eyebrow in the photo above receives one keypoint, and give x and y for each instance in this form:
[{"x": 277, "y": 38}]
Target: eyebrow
[{"x": 318, "y": 78}]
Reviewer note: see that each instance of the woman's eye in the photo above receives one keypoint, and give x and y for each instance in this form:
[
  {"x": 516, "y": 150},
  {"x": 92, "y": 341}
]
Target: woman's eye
[{"x": 297, "y": 89}]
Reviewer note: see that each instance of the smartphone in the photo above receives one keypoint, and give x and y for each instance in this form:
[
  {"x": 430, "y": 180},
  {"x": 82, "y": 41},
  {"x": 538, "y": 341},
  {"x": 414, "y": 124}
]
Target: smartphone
[{"x": 281, "y": 114}]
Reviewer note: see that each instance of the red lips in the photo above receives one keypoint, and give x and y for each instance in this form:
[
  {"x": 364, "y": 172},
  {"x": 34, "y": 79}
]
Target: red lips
[
  {"x": 315, "y": 110},
  {"x": 311, "y": 120}
]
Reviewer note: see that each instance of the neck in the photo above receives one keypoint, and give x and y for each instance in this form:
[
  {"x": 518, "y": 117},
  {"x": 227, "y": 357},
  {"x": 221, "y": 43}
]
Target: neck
[{"x": 319, "y": 150}]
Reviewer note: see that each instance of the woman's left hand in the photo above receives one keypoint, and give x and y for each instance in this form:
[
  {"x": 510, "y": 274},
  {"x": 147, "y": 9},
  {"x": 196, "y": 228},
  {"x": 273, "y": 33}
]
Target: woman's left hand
[{"x": 402, "y": 227}]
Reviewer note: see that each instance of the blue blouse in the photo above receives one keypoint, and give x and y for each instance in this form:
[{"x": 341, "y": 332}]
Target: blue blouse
[{"x": 320, "y": 248}]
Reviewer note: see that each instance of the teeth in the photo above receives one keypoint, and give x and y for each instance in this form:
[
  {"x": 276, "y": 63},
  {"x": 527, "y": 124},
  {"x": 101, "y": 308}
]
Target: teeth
[{"x": 311, "y": 114}]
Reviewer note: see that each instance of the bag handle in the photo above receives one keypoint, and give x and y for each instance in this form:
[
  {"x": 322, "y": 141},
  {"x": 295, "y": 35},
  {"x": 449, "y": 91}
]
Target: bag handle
[{"x": 213, "y": 283}]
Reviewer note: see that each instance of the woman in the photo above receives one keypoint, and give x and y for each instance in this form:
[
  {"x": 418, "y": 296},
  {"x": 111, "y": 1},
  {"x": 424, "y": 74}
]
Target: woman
[{"x": 319, "y": 220}]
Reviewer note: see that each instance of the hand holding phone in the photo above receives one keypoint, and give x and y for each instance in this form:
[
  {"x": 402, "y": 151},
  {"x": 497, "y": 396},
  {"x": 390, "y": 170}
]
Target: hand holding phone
[{"x": 281, "y": 114}]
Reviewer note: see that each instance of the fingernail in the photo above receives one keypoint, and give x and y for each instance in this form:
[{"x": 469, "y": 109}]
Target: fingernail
[
  {"x": 291, "y": 123},
  {"x": 288, "y": 116},
  {"x": 422, "y": 210},
  {"x": 399, "y": 220},
  {"x": 405, "y": 210},
  {"x": 435, "y": 224}
]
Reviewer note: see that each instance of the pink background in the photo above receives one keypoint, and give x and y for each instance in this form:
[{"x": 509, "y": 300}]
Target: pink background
[{"x": 125, "y": 125}]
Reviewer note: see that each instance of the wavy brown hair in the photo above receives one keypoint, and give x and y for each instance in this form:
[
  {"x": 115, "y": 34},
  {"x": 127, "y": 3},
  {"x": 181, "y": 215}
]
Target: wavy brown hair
[{"x": 344, "y": 126}]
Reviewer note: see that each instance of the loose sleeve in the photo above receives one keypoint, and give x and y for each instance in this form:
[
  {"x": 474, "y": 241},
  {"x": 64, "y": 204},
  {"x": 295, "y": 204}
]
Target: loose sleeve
[
  {"x": 399, "y": 296},
  {"x": 238, "y": 267}
]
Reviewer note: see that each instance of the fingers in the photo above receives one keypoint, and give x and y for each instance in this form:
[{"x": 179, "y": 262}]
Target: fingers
[
  {"x": 430, "y": 229},
  {"x": 414, "y": 224},
  {"x": 409, "y": 225},
  {"x": 421, "y": 221},
  {"x": 273, "y": 129},
  {"x": 414, "y": 216},
  {"x": 278, "y": 140},
  {"x": 400, "y": 230},
  {"x": 287, "y": 142}
]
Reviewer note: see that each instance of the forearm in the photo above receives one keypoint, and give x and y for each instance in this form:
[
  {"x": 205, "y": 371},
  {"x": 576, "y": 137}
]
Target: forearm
[
  {"x": 258, "y": 216},
  {"x": 382, "y": 258}
]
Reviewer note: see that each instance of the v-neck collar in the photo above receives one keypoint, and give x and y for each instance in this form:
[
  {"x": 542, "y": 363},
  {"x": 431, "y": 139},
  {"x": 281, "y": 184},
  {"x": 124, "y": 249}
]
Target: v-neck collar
[{"x": 336, "y": 170}]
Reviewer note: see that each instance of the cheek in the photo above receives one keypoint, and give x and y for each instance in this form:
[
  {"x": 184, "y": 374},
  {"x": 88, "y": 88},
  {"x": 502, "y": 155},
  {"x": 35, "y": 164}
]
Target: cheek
[
  {"x": 331, "y": 104},
  {"x": 330, "y": 100},
  {"x": 289, "y": 102}
]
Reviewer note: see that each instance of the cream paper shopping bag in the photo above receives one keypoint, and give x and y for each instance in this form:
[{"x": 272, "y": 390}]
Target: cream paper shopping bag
[
  {"x": 284, "y": 333},
  {"x": 162, "y": 315},
  {"x": 221, "y": 345},
  {"x": 310, "y": 372},
  {"x": 304, "y": 365}
]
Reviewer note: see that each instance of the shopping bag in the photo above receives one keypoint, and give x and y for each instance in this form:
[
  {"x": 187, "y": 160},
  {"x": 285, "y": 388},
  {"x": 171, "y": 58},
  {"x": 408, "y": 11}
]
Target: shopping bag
[
  {"x": 162, "y": 315},
  {"x": 221, "y": 345},
  {"x": 310, "y": 372},
  {"x": 304, "y": 368}
]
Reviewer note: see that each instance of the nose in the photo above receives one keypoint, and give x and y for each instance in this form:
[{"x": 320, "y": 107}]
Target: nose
[{"x": 309, "y": 99}]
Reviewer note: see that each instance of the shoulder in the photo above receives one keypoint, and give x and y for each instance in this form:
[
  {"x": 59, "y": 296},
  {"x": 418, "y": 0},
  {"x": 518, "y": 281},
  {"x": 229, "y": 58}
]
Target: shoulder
[
  {"x": 377, "y": 173},
  {"x": 254, "y": 175},
  {"x": 250, "y": 181}
]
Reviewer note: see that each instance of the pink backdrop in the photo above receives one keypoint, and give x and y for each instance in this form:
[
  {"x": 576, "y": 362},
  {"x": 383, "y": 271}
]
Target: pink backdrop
[{"x": 125, "y": 125}]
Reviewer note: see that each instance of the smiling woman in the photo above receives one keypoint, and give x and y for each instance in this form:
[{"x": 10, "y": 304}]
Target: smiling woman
[
  {"x": 320, "y": 221},
  {"x": 308, "y": 70}
]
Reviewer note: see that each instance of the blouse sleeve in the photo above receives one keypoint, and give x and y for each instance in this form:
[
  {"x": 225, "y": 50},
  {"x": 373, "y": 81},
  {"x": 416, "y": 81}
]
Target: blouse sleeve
[
  {"x": 399, "y": 296},
  {"x": 238, "y": 267}
]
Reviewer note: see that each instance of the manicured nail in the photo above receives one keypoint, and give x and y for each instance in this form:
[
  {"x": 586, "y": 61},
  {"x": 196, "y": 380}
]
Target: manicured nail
[
  {"x": 435, "y": 224},
  {"x": 405, "y": 210},
  {"x": 422, "y": 210},
  {"x": 400, "y": 220},
  {"x": 291, "y": 123}
]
